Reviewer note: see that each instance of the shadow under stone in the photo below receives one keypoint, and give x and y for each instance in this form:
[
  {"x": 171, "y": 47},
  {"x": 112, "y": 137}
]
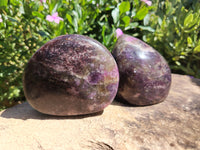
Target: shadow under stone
[
  {"x": 24, "y": 111},
  {"x": 121, "y": 102},
  {"x": 196, "y": 81}
]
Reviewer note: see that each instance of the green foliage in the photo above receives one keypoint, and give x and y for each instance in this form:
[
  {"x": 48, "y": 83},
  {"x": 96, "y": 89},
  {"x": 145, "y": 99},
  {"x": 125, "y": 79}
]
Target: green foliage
[
  {"x": 177, "y": 34},
  {"x": 171, "y": 26},
  {"x": 19, "y": 38},
  {"x": 3, "y": 3}
]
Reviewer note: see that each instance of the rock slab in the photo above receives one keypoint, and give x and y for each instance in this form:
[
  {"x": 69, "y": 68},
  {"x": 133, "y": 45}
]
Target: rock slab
[{"x": 171, "y": 125}]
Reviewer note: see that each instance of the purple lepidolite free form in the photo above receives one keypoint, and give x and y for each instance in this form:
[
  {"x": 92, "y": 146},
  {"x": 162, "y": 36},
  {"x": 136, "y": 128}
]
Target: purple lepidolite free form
[
  {"x": 145, "y": 76},
  {"x": 71, "y": 75}
]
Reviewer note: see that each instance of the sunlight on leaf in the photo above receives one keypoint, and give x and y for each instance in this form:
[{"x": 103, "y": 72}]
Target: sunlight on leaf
[{"x": 124, "y": 7}]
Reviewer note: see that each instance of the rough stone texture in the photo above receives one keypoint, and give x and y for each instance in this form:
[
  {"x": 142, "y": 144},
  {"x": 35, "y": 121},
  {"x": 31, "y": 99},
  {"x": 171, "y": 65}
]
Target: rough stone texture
[
  {"x": 71, "y": 75},
  {"x": 171, "y": 125},
  {"x": 145, "y": 76}
]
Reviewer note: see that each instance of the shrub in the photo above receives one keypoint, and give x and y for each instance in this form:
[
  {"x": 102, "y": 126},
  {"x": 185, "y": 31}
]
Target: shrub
[
  {"x": 177, "y": 34},
  {"x": 20, "y": 36}
]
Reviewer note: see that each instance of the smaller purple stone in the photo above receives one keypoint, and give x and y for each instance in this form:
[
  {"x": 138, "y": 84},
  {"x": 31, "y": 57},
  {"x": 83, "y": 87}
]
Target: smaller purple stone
[{"x": 145, "y": 76}]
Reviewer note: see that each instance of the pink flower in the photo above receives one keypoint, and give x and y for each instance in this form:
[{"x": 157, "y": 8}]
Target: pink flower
[
  {"x": 43, "y": 1},
  {"x": 1, "y": 19},
  {"x": 54, "y": 18},
  {"x": 119, "y": 32},
  {"x": 148, "y": 2}
]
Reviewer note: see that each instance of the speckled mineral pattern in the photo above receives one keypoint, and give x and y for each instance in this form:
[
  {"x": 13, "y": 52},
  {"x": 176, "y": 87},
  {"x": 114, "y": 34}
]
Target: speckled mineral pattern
[
  {"x": 145, "y": 76},
  {"x": 71, "y": 75}
]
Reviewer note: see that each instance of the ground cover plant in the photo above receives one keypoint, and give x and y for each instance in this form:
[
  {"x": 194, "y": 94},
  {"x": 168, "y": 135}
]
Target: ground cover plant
[{"x": 172, "y": 27}]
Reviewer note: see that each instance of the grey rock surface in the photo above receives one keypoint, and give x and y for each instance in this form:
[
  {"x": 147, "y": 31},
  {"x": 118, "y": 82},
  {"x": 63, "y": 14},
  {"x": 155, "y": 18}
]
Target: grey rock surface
[{"x": 171, "y": 125}]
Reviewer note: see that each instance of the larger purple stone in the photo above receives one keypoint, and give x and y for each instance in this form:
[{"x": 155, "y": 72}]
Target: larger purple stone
[
  {"x": 71, "y": 75},
  {"x": 145, "y": 76}
]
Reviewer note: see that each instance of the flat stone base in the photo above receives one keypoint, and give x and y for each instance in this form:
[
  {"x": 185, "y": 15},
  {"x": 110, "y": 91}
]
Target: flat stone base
[{"x": 171, "y": 125}]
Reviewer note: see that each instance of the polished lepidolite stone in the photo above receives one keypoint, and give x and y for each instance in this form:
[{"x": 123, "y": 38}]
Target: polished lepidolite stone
[
  {"x": 145, "y": 76},
  {"x": 71, "y": 75}
]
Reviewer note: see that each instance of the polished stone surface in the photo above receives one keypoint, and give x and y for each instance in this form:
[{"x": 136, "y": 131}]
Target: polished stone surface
[
  {"x": 71, "y": 75},
  {"x": 145, "y": 76}
]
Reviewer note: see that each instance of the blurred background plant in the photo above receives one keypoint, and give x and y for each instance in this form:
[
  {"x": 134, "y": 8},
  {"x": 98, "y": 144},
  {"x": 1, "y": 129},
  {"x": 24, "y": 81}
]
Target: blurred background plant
[
  {"x": 170, "y": 26},
  {"x": 177, "y": 34}
]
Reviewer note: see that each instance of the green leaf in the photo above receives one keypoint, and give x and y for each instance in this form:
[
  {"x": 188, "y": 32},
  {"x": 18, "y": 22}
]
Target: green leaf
[
  {"x": 124, "y": 7},
  {"x": 12, "y": 19},
  {"x": 169, "y": 8},
  {"x": 75, "y": 14},
  {"x": 141, "y": 13},
  {"x": 54, "y": 9},
  {"x": 37, "y": 14},
  {"x": 14, "y": 2},
  {"x": 16, "y": 92},
  {"x": 43, "y": 33},
  {"x": 178, "y": 63},
  {"x": 75, "y": 24},
  {"x": 3, "y": 3},
  {"x": 193, "y": 25},
  {"x": 132, "y": 25},
  {"x": 78, "y": 10},
  {"x": 69, "y": 18},
  {"x": 61, "y": 29},
  {"x": 41, "y": 8},
  {"x": 126, "y": 20},
  {"x": 197, "y": 49},
  {"x": 133, "y": 13},
  {"x": 147, "y": 28},
  {"x": 198, "y": 43},
  {"x": 13, "y": 92},
  {"x": 21, "y": 8},
  {"x": 159, "y": 21},
  {"x": 146, "y": 19},
  {"x": 136, "y": 2},
  {"x": 103, "y": 34},
  {"x": 115, "y": 15},
  {"x": 189, "y": 41},
  {"x": 1, "y": 74},
  {"x": 188, "y": 20}
]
